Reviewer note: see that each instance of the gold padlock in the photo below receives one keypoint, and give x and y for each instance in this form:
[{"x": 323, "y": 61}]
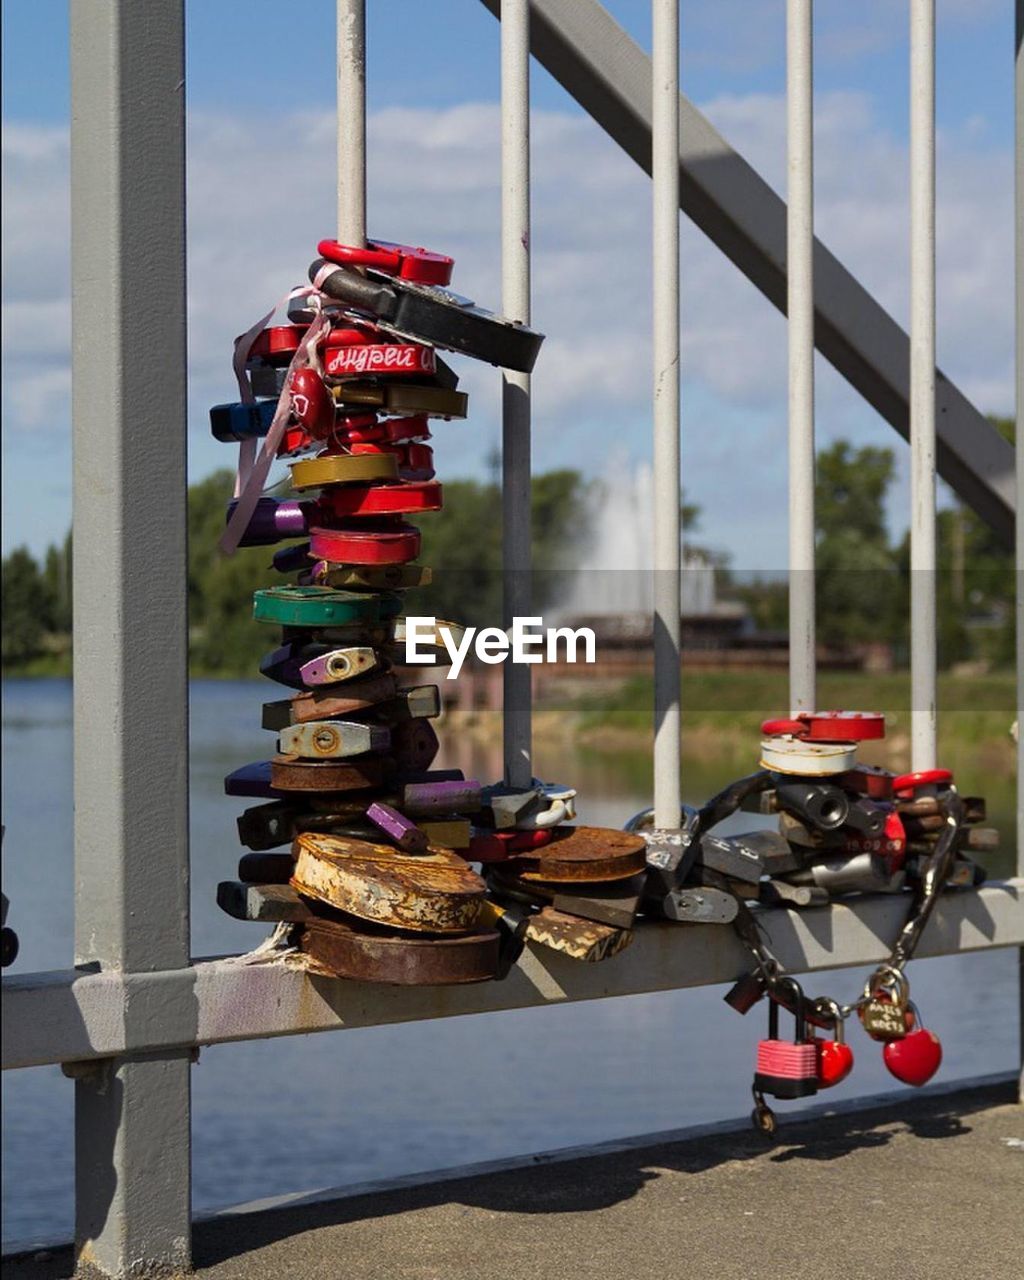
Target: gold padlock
[{"x": 883, "y": 1013}]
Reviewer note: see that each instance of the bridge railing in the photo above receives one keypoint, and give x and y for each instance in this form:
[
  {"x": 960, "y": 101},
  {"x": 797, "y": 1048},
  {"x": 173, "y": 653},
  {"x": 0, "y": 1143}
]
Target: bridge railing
[{"x": 126, "y": 1020}]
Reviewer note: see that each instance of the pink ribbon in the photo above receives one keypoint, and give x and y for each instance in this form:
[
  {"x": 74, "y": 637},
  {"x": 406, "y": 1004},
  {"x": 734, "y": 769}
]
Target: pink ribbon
[{"x": 253, "y": 467}]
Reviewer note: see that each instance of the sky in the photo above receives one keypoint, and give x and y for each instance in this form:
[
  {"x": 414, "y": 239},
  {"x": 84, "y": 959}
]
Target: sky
[{"x": 260, "y": 93}]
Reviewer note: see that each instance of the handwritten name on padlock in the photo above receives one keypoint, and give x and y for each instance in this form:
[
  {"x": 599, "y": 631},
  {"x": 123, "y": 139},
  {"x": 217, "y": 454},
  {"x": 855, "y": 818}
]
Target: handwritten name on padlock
[{"x": 397, "y": 358}]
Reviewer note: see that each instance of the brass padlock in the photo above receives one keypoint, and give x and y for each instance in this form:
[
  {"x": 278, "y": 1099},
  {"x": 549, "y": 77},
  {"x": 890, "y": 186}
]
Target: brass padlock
[{"x": 883, "y": 1013}]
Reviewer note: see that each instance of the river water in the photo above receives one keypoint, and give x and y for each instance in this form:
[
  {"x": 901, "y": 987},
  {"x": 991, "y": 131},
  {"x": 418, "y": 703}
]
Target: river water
[{"x": 307, "y": 1112}]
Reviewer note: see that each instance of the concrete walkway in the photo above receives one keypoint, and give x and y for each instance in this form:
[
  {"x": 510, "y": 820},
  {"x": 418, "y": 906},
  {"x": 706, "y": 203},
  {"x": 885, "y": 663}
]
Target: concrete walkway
[{"x": 930, "y": 1188}]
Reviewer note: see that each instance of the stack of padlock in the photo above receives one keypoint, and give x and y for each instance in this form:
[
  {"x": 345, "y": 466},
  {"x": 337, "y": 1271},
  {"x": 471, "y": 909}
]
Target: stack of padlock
[
  {"x": 378, "y": 874},
  {"x": 844, "y": 827},
  {"x": 372, "y": 875},
  {"x": 574, "y": 889}
]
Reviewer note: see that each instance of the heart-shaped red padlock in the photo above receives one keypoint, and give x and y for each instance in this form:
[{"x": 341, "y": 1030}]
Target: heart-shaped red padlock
[
  {"x": 915, "y": 1058},
  {"x": 834, "y": 1061},
  {"x": 312, "y": 403}
]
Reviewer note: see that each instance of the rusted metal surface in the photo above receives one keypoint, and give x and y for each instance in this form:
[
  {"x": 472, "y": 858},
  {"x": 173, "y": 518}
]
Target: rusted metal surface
[
  {"x": 584, "y": 853},
  {"x": 289, "y": 773},
  {"x": 432, "y": 892},
  {"x": 615, "y": 904},
  {"x": 581, "y": 939},
  {"x": 339, "y": 950}
]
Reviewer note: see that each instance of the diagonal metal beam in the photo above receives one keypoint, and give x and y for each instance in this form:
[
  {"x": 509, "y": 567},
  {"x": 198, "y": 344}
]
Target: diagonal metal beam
[{"x": 609, "y": 75}]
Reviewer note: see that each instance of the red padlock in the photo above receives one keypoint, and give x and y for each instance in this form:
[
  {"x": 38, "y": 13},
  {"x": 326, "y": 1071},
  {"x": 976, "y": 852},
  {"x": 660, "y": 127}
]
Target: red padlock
[
  {"x": 834, "y": 1057},
  {"x": 499, "y": 846},
  {"x": 829, "y": 726},
  {"x": 412, "y": 457},
  {"x": 277, "y": 344},
  {"x": 312, "y": 404},
  {"x": 400, "y": 260},
  {"x": 382, "y": 499},
  {"x": 391, "y": 360},
  {"x": 358, "y": 544},
  {"x": 926, "y": 782},
  {"x": 916, "y": 1057}
]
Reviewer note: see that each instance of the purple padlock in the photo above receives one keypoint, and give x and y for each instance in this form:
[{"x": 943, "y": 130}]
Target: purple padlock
[
  {"x": 289, "y": 559},
  {"x": 252, "y": 780},
  {"x": 455, "y": 796},
  {"x": 272, "y": 520},
  {"x": 399, "y": 830}
]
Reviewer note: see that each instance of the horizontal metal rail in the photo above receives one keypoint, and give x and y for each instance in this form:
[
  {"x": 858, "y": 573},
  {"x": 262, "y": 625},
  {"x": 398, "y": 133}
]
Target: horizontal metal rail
[
  {"x": 609, "y": 75},
  {"x": 74, "y": 1016}
]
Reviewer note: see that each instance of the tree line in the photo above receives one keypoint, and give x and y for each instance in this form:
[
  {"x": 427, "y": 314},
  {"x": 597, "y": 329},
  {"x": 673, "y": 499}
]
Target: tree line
[{"x": 862, "y": 576}]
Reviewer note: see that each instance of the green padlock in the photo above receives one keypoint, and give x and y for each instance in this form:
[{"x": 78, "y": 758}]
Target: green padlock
[{"x": 313, "y": 606}]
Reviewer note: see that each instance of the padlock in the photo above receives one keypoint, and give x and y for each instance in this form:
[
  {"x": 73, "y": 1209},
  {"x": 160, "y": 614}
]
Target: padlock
[
  {"x": 829, "y": 726},
  {"x": 314, "y": 606},
  {"x": 403, "y": 832},
  {"x": 432, "y": 892},
  {"x": 390, "y": 577},
  {"x": 792, "y": 755},
  {"x": 285, "y": 665},
  {"x": 332, "y": 739},
  {"x": 787, "y": 1068},
  {"x": 277, "y": 344},
  {"x": 356, "y": 544},
  {"x": 916, "y": 1056},
  {"x": 311, "y": 403},
  {"x": 393, "y": 259},
  {"x": 819, "y": 805},
  {"x": 883, "y": 1008},
  {"x": 292, "y": 558},
  {"x": 414, "y": 744},
  {"x": 231, "y": 422},
  {"x": 391, "y": 360},
  {"x": 338, "y": 665},
  {"x": 291, "y": 773},
  {"x": 419, "y": 702},
  {"x": 834, "y": 1058},
  {"x": 866, "y": 816},
  {"x": 272, "y": 520},
  {"x": 431, "y": 314},
  {"x": 343, "y": 468},
  {"x": 390, "y": 397},
  {"x": 862, "y": 873},
  {"x": 406, "y": 498},
  {"x": 747, "y": 991},
  {"x": 441, "y": 796}
]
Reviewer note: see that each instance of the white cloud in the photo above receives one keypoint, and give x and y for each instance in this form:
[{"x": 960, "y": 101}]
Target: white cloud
[{"x": 261, "y": 192}]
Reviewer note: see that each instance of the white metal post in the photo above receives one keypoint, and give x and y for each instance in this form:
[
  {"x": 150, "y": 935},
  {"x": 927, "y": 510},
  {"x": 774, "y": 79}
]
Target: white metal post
[
  {"x": 351, "y": 36},
  {"x": 515, "y": 387},
  {"x": 800, "y": 329},
  {"x": 1019, "y": 442},
  {"x": 667, "y": 530},
  {"x": 130, "y": 622},
  {"x": 922, "y": 385}
]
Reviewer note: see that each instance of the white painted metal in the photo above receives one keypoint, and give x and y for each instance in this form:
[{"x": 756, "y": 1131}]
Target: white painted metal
[
  {"x": 130, "y": 623},
  {"x": 800, "y": 312},
  {"x": 609, "y": 75},
  {"x": 665, "y": 347},
  {"x": 54, "y": 1017},
  {"x": 1019, "y": 383},
  {"x": 922, "y": 385},
  {"x": 515, "y": 387},
  {"x": 351, "y": 37}
]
